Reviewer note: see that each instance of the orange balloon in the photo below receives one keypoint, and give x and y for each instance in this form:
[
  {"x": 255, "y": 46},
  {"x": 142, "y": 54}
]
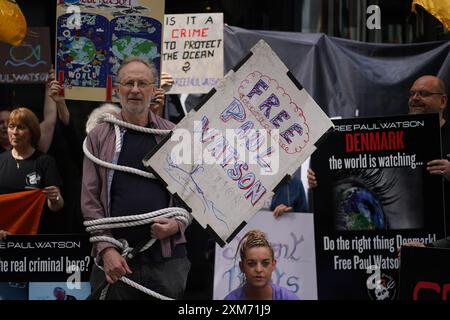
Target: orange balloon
[{"x": 13, "y": 26}]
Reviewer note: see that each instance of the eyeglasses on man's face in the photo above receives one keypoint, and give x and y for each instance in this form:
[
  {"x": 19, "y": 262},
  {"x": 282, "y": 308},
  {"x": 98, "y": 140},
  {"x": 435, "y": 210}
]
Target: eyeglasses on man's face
[
  {"x": 422, "y": 93},
  {"x": 141, "y": 84}
]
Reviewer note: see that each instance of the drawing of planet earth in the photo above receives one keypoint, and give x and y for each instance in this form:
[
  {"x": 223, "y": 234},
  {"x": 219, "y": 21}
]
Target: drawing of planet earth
[
  {"x": 128, "y": 46},
  {"x": 82, "y": 50}
]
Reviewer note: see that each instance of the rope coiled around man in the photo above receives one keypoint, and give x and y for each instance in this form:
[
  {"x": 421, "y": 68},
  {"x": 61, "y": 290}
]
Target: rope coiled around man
[{"x": 93, "y": 226}]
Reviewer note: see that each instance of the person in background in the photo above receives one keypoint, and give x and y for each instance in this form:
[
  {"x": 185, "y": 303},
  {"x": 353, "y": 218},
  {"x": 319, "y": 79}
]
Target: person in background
[
  {"x": 290, "y": 196},
  {"x": 60, "y": 294},
  {"x": 159, "y": 97},
  {"x": 157, "y": 103},
  {"x": 428, "y": 94},
  {"x": 24, "y": 167},
  {"x": 177, "y": 106},
  {"x": 60, "y": 140},
  {"x": 4, "y": 141},
  {"x": 257, "y": 264},
  {"x": 312, "y": 179}
]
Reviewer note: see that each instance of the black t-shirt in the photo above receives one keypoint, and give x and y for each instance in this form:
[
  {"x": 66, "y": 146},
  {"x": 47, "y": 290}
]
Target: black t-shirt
[
  {"x": 37, "y": 171},
  {"x": 132, "y": 194}
]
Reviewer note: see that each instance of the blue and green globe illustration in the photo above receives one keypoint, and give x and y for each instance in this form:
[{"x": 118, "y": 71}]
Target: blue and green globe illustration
[
  {"x": 82, "y": 50},
  {"x": 128, "y": 46},
  {"x": 357, "y": 208}
]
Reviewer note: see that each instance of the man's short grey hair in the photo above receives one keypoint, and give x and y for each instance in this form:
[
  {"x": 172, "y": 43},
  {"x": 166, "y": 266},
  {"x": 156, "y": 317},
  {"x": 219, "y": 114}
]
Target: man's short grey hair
[{"x": 149, "y": 64}]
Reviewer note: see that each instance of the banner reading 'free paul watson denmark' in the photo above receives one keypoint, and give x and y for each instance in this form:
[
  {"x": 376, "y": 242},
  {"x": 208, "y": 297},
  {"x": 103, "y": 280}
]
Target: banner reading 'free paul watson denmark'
[{"x": 374, "y": 193}]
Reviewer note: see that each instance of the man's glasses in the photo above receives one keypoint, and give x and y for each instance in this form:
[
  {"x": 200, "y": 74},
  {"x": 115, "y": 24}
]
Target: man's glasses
[
  {"x": 423, "y": 94},
  {"x": 140, "y": 84}
]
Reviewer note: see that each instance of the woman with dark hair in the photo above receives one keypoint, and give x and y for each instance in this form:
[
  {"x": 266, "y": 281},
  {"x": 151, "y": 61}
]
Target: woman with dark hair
[
  {"x": 257, "y": 264},
  {"x": 24, "y": 167}
]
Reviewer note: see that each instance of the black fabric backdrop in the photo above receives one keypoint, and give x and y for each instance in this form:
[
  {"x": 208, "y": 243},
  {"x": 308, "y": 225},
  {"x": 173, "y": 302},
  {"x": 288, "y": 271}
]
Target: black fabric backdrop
[{"x": 347, "y": 78}]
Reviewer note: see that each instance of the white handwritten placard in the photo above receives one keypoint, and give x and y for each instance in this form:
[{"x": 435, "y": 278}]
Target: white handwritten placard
[
  {"x": 193, "y": 51},
  {"x": 255, "y": 127},
  {"x": 292, "y": 239}
]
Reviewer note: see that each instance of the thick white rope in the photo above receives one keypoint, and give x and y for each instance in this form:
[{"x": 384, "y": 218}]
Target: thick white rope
[
  {"x": 126, "y": 252},
  {"x": 134, "y": 284},
  {"x": 107, "y": 117},
  {"x": 179, "y": 214},
  {"x": 112, "y": 166},
  {"x": 92, "y": 226}
]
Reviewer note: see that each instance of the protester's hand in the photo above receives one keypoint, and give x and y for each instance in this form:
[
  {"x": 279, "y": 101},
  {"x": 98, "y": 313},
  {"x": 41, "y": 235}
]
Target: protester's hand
[
  {"x": 312, "y": 180},
  {"x": 3, "y": 234},
  {"x": 114, "y": 265},
  {"x": 439, "y": 167},
  {"x": 281, "y": 209},
  {"x": 163, "y": 228},
  {"x": 52, "y": 193},
  {"x": 55, "y": 200},
  {"x": 54, "y": 90},
  {"x": 157, "y": 104},
  {"x": 166, "y": 81}
]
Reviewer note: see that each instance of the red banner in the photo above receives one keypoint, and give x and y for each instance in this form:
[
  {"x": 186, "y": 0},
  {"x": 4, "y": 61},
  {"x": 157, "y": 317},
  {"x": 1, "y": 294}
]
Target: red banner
[{"x": 20, "y": 212}]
